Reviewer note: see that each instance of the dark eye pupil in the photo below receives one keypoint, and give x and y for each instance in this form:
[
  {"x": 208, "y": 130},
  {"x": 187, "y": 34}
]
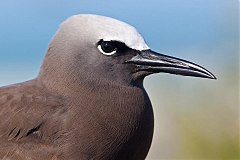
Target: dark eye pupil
[{"x": 107, "y": 47}]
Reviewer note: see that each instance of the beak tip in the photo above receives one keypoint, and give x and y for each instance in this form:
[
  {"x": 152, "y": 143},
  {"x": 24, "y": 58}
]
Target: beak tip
[
  {"x": 215, "y": 78},
  {"x": 211, "y": 76}
]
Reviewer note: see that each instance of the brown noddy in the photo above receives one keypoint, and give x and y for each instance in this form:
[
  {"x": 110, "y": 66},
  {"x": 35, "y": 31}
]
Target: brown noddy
[{"x": 88, "y": 101}]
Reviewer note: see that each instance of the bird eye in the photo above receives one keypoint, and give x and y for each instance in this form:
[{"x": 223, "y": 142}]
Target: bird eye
[{"x": 107, "y": 47}]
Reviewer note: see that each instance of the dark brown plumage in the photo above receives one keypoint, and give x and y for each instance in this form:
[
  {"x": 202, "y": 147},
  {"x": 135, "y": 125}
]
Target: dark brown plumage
[
  {"x": 88, "y": 101},
  {"x": 38, "y": 124}
]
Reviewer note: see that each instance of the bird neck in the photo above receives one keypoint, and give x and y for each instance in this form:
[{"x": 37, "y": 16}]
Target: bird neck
[{"x": 123, "y": 114}]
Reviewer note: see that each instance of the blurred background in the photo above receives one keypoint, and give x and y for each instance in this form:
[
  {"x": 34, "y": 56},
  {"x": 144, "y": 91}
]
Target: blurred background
[{"x": 194, "y": 118}]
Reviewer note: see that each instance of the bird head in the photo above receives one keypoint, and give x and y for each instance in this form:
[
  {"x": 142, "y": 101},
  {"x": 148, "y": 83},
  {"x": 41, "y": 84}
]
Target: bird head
[{"x": 92, "y": 48}]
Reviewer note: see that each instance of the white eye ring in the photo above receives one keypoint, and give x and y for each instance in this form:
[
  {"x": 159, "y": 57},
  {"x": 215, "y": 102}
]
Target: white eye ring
[{"x": 107, "y": 54}]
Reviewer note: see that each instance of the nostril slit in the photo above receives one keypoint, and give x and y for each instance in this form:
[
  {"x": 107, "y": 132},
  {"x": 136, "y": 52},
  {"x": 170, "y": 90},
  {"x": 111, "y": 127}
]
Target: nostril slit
[{"x": 11, "y": 132}]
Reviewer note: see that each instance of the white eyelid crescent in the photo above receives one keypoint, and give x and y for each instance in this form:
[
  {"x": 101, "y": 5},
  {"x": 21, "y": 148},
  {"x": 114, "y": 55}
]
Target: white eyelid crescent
[{"x": 107, "y": 54}]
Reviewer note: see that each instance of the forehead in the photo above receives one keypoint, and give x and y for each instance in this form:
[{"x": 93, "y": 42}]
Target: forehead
[{"x": 110, "y": 29}]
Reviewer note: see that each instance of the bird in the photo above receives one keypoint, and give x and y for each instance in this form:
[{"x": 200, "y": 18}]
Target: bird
[{"x": 88, "y": 101}]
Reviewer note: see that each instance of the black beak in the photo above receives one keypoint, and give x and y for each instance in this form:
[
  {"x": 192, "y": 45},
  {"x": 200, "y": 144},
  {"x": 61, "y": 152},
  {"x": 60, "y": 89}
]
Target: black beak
[{"x": 153, "y": 62}]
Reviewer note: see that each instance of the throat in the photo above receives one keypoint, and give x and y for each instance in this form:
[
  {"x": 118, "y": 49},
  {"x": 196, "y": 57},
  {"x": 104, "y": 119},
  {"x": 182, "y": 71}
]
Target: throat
[{"x": 114, "y": 117}]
